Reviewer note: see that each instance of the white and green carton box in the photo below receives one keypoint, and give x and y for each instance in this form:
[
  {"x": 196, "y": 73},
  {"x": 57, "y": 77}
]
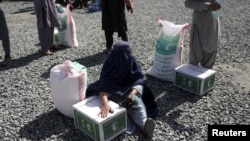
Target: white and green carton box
[
  {"x": 194, "y": 78},
  {"x": 86, "y": 119}
]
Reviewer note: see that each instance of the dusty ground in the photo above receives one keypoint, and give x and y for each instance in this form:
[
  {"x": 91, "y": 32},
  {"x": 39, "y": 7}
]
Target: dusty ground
[{"x": 28, "y": 112}]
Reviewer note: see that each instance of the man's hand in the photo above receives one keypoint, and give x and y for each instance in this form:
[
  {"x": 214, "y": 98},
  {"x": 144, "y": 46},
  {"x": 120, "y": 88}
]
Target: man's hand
[
  {"x": 214, "y": 6},
  {"x": 130, "y": 9},
  {"x": 129, "y": 5}
]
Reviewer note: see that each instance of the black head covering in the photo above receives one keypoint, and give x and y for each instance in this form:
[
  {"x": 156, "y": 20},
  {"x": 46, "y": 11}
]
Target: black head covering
[{"x": 120, "y": 72}]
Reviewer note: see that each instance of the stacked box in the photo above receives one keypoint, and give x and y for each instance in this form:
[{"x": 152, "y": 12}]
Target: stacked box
[
  {"x": 194, "y": 78},
  {"x": 86, "y": 119}
]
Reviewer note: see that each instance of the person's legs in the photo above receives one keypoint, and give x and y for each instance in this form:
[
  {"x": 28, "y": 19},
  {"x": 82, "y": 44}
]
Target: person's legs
[
  {"x": 4, "y": 34},
  {"x": 45, "y": 40},
  {"x": 195, "y": 48},
  {"x": 109, "y": 40},
  {"x": 137, "y": 113},
  {"x": 208, "y": 59},
  {"x": 85, "y": 3},
  {"x": 80, "y": 3},
  {"x": 123, "y": 35},
  {"x": 51, "y": 34},
  {"x": 6, "y": 47},
  {"x": 7, "y": 57}
]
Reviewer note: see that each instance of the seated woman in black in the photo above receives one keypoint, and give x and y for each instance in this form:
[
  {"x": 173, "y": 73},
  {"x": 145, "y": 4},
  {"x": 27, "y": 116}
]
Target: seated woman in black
[{"x": 121, "y": 81}]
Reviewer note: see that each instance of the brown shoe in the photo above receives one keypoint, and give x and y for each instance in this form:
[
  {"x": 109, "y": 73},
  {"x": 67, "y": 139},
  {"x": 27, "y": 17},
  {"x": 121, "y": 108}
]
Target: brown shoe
[{"x": 149, "y": 127}]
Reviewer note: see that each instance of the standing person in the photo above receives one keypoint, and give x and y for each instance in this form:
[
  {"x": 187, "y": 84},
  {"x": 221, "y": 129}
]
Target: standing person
[
  {"x": 121, "y": 81},
  {"x": 205, "y": 32},
  {"x": 47, "y": 19},
  {"x": 4, "y": 36},
  {"x": 114, "y": 20}
]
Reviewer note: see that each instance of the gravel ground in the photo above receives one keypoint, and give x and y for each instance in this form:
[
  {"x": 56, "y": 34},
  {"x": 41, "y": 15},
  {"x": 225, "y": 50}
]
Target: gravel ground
[{"x": 27, "y": 110}]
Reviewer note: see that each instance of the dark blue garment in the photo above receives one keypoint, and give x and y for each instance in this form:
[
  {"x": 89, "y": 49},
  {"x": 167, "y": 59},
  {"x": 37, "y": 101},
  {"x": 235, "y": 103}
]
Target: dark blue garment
[
  {"x": 119, "y": 74},
  {"x": 148, "y": 99}
]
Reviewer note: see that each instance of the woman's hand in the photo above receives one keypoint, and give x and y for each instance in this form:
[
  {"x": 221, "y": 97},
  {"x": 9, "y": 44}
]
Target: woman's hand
[
  {"x": 105, "y": 109},
  {"x": 130, "y": 96},
  {"x": 130, "y": 101}
]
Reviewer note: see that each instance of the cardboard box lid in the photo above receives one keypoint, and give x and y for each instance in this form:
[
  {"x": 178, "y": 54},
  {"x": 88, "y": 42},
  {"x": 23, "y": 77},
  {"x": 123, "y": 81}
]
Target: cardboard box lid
[
  {"x": 194, "y": 70},
  {"x": 92, "y": 106}
]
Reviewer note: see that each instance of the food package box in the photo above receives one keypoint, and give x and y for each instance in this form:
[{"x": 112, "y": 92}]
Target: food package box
[
  {"x": 194, "y": 78},
  {"x": 86, "y": 119}
]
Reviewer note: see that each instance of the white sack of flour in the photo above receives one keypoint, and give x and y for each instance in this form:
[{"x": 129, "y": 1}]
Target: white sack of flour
[
  {"x": 68, "y": 86},
  {"x": 67, "y": 29},
  {"x": 168, "y": 50}
]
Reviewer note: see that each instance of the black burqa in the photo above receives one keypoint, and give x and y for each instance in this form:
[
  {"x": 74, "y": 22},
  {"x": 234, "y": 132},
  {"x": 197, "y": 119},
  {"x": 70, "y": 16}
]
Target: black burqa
[
  {"x": 119, "y": 74},
  {"x": 113, "y": 16}
]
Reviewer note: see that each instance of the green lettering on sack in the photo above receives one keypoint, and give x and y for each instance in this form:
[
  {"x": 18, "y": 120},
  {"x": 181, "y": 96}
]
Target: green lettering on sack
[
  {"x": 60, "y": 9},
  {"x": 63, "y": 24},
  {"x": 167, "y": 45}
]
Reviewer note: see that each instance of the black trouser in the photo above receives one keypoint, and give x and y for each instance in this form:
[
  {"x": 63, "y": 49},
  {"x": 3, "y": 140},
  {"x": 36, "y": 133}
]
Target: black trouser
[
  {"x": 109, "y": 37},
  {"x": 4, "y": 33}
]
